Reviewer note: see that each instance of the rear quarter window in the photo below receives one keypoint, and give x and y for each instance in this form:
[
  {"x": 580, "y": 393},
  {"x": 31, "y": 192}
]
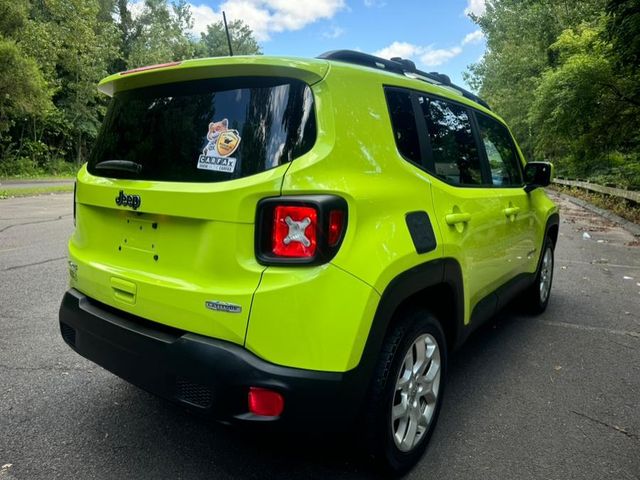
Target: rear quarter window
[
  {"x": 206, "y": 130},
  {"x": 403, "y": 122}
]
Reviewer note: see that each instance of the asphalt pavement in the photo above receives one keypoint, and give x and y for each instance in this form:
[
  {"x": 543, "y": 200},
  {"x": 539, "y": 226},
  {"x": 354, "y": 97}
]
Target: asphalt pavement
[
  {"x": 34, "y": 183},
  {"x": 549, "y": 397}
]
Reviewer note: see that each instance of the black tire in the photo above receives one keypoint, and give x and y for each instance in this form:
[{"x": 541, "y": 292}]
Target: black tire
[
  {"x": 534, "y": 302},
  {"x": 378, "y": 426}
]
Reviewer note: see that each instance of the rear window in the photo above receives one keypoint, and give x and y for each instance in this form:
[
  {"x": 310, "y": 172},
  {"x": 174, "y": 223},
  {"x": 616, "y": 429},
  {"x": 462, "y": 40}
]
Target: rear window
[{"x": 206, "y": 130}]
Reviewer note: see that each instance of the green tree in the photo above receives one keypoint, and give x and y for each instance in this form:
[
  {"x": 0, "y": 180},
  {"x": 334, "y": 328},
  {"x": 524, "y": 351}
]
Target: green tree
[
  {"x": 623, "y": 31},
  {"x": 565, "y": 76},
  {"x": 519, "y": 34},
  {"x": 13, "y": 15},
  {"x": 213, "y": 42},
  {"x": 160, "y": 34},
  {"x": 577, "y": 102},
  {"x": 26, "y": 97},
  {"x": 128, "y": 32},
  {"x": 73, "y": 48},
  {"x": 23, "y": 91}
]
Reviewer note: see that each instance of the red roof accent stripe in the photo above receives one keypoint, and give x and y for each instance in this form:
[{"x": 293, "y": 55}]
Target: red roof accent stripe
[{"x": 151, "y": 67}]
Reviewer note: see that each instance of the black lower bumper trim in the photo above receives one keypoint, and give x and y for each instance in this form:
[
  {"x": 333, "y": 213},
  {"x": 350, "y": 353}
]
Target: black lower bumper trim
[{"x": 204, "y": 374}]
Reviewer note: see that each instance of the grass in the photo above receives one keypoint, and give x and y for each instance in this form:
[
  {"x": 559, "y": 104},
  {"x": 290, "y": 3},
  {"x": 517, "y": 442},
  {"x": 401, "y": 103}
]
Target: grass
[
  {"x": 624, "y": 208},
  {"x": 33, "y": 191}
]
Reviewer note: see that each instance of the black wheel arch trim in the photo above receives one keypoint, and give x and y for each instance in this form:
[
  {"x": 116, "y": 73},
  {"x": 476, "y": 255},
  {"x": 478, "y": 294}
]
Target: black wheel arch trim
[
  {"x": 552, "y": 221},
  {"x": 442, "y": 271}
]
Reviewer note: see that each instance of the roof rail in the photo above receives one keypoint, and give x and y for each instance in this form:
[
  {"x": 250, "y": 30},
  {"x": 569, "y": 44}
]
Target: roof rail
[{"x": 400, "y": 66}]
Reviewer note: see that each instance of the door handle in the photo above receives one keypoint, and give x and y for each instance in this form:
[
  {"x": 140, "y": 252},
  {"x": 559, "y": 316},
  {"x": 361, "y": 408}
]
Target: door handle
[
  {"x": 456, "y": 218},
  {"x": 511, "y": 211}
]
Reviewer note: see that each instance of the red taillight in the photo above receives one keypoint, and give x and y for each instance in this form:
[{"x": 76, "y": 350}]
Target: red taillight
[
  {"x": 295, "y": 231},
  {"x": 300, "y": 229},
  {"x": 265, "y": 403},
  {"x": 336, "y": 223}
]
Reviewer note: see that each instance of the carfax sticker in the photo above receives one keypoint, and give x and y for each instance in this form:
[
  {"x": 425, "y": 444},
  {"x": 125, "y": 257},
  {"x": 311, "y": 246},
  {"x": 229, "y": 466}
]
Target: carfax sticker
[
  {"x": 222, "y": 142},
  {"x": 217, "y": 164}
]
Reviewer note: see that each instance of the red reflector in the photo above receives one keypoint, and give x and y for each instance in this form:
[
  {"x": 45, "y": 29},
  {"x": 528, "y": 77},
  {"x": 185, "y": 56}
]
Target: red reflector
[
  {"x": 265, "y": 403},
  {"x": 336, "y": 222},
  {"x": 295, "y": 231},
  {"x": 151, "y": 67}
]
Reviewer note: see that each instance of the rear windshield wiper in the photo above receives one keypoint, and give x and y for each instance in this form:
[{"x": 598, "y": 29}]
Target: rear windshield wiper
[{"x": 122, "y": 165}]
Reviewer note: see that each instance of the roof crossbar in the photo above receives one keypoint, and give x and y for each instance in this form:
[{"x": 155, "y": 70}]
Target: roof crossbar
[{"x": 399, "y": 66}]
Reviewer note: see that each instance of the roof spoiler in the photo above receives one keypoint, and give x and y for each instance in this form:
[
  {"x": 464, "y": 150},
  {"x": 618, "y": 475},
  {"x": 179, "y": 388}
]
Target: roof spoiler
[{"x": 219, "y": 67}]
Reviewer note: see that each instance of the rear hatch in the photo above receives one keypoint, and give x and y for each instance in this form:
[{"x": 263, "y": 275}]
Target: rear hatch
[{"x": 166, "y": 204}]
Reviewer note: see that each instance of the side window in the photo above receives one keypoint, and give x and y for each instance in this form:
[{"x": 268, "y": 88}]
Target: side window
[
  {"x": 455, "y": 154},
  {"x": 506, "y": 170},
  {"x": 403, "y": 122}
]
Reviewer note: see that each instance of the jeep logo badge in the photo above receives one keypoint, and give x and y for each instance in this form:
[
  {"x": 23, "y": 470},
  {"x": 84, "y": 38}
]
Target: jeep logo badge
[{"x": 132, "y": 201}]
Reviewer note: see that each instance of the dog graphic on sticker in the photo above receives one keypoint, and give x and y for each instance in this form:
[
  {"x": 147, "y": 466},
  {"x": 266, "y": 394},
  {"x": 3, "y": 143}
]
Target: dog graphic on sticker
[{"x": 222, "y": 141}]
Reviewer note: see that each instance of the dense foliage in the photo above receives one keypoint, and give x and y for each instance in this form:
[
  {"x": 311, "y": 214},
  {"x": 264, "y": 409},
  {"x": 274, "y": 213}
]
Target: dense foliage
[
  {"x": 565, "y": 75},
  {"x": 53, "y": 53}
]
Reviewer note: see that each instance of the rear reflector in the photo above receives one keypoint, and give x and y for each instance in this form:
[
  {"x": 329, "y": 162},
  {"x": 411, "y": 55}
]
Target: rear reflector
[
  {"x": 265, "y": 403},
  {"x": 336, "y": 223},
  {"x": 295, "y": 231}
]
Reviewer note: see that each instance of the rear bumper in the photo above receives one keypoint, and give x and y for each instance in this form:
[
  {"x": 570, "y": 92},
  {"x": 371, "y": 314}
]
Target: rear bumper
[{"x": 204, "y": 374}]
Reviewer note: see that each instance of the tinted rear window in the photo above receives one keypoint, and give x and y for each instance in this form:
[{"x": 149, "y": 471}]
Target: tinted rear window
[{"x": 206, "y": 130}]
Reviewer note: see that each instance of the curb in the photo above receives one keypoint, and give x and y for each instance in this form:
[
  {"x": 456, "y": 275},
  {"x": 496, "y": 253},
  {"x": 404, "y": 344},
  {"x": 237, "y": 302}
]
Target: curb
[{"x": 631, "y": 227}]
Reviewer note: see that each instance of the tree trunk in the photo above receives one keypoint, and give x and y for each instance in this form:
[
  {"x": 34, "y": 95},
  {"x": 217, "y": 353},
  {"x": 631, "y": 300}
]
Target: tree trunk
[{"x": 79, "y": 154}]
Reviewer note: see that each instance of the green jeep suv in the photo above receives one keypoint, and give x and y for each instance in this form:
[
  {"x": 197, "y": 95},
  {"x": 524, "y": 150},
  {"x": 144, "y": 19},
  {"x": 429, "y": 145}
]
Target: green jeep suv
[{"x": 301, "y": 242}]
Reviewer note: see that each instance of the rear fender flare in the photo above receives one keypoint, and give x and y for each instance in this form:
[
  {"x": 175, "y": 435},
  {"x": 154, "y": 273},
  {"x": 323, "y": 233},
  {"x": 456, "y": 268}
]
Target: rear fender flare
[{"x": 443, "y": 271}]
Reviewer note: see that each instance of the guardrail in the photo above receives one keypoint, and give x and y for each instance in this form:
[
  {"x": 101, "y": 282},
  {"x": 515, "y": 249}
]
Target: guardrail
[{"x": 594, "y": 187}]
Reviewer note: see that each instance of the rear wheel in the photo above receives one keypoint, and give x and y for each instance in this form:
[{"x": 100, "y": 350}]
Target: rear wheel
[{"x": 407, "y": 392}]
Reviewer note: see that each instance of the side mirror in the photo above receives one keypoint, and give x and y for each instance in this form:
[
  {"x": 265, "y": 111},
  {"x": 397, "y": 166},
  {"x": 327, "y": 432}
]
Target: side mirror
[{"x": 537, "y": 174}]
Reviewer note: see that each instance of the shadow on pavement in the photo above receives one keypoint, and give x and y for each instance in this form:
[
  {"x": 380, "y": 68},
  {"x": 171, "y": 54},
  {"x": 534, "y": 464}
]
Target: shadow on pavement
[{"x": 136, "y": 435}]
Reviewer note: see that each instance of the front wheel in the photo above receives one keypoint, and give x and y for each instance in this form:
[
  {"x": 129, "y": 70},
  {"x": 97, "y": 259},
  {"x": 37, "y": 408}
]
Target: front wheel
[
  {"x": 537, "y": 295},
  {"x": 407, "y": 392}
]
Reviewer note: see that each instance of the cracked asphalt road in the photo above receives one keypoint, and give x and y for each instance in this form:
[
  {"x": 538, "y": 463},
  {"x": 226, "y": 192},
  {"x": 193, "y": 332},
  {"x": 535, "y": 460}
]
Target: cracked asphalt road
[{"x": 550, "y": 397}]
